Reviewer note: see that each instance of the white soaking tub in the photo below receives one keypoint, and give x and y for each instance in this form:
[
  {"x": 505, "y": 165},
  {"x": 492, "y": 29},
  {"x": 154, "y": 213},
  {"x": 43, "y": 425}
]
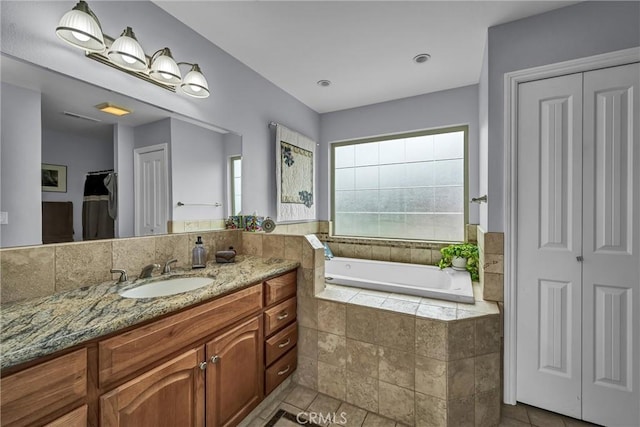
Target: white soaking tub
[{"x": 409, "y": 279}]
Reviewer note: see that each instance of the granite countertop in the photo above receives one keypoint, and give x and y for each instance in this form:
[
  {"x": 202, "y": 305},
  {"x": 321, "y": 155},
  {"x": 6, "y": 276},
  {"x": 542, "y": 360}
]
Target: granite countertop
[{"x": 42, "y": 326}]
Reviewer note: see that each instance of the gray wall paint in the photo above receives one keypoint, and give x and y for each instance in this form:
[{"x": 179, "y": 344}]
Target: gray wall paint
[
  {"x": 20, "y": 188},
  {"x": 198, "y": 170},
  {"x": 483, "y": 136},
  {"x": 440, "y": 109},
  {"x": 123, "y": 144},
  {"x": 240, "y": 99},
  {"x": 80, "y": 155},
  {"x": 582, "y": 30}
]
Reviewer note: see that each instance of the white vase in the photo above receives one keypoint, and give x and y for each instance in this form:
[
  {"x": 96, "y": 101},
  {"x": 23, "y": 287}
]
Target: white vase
[{"x": 459, "y": 263}]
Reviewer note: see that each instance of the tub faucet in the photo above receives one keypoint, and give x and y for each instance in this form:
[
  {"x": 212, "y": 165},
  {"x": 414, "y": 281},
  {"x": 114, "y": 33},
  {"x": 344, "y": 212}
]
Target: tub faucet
[{"x": 147, "y": 270}]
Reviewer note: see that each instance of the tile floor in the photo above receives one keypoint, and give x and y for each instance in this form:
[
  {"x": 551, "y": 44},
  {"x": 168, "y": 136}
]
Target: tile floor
[{"x": 297, "y": 399}]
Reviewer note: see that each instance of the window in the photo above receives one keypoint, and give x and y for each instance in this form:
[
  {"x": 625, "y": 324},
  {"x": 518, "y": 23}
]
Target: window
[
  {"x": 236, "y": 185},
  {"x": 408, "y": 186}
]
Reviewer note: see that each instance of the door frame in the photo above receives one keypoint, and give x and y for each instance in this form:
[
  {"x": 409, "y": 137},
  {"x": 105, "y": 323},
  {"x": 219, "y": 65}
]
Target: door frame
[
  {"x": 136, "y": 180},
  {"x": 510, "y": 164}
]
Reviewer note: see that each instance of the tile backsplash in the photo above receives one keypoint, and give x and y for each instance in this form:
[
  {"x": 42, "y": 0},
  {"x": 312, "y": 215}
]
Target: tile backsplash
[{"x": 491, "y": 246}]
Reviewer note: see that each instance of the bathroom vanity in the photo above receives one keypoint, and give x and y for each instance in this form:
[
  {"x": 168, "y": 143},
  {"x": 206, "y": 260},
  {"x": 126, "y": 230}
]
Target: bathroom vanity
[{"x": 205, "y": 362}]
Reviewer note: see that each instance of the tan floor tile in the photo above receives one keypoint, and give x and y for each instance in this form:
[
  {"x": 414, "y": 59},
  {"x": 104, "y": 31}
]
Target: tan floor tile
[
  {"x": 542, "y": 418},
  {"x": 512, "y": 422},
  {"x": 301, "y": 397},
  {"x": 518, "y": 412},
  {"x": 374, "y": 420},
  {"x": 324, "y": 404},
  {"x": 350, "y": 416}
]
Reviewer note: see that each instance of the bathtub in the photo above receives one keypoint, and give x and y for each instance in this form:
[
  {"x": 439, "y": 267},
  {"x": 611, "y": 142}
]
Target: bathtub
[{"x": 409, "y": 279}]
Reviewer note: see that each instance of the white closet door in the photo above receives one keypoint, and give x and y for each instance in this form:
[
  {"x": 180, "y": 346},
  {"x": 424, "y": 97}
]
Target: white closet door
[
  {"x": 611, "y": 275},
  {"x": 549, "y": 240}
]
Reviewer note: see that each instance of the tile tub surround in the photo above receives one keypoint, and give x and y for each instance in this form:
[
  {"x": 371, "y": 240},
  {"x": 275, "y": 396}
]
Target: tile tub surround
[
  {"x": 43, "y": 326},
  {"x": 37, "y": 271},
  {"x": 491, "y": 248}
]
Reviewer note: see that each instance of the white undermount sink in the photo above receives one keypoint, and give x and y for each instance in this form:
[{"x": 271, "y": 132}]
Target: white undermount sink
[{"x": 164, "y": 288}]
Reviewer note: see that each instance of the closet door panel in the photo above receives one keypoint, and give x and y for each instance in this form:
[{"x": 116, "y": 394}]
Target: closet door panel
[
  {"x": 611, "y": 270},
  {"x": 549, "y": 240}
]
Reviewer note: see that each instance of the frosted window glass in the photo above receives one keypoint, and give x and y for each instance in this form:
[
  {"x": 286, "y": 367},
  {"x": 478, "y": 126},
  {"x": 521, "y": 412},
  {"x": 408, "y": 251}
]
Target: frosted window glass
[
  {"x": 448, "y": 145},
  {"x": 367, "y": 177},
  {"x": 393, "y": 176},
  {"x": 419, "y": 148},
  {"x": 419, "y": 174},
  {"x": 449, "y": 199},
  {"x": 345, "y": 179},
  {"x": 391, "y": 201},
  {"x": 345, "y": 156},
  {"x": 392, "y": 151},
  {"x": 366, "y": 154},
  {"x": 449, "y": 172},
  {"x": 419, "y": 199},
  {"x": 405, "y": 188}
]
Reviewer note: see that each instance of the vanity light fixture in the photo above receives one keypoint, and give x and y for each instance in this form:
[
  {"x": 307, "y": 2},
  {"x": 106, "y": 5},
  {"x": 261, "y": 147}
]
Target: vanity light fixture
[
  {"x": 109, "y": 108},
  {"x": 80, "y": 28}
]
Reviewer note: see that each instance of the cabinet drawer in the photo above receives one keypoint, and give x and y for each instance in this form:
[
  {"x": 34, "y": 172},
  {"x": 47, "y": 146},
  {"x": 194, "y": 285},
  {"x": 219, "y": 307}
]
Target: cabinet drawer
[
  {"x": 75, "y": 418},
  {"x": 280, "y": 288},
  {"x": 280, "y": 343},
  {"x": 279, "y": 315},
  {"x": 134, "y": 350},
  {"x": 43, "y": 389},
  {"x": 280, "y": 370}
]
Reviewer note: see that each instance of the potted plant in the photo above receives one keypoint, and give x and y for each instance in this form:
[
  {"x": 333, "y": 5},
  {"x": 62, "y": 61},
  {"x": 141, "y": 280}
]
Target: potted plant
[{"x": 461, "y": 256}]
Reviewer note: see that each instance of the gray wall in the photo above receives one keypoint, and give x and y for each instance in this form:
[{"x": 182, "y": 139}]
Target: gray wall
[
  {"x": 582, "y": 30},
  {"x": 240, "y": 99},
  {"x": 80, "y": 155},
  {"x": 20, "y": 185},
  {"x": 483, "y": 135},
  {"x": 439, "y": 109},
  {"x": 198, "y": 171}
]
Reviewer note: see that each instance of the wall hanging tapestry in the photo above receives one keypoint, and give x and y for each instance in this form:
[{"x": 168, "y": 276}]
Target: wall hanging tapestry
[{"x": 294, "y": 175}]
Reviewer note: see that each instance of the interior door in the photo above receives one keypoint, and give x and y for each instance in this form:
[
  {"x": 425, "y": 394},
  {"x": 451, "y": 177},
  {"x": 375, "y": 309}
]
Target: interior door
[
  {"x": 151, "y": 190},
  {"x": 549, "y": 242},
  {"x": 611, "y": 268}
]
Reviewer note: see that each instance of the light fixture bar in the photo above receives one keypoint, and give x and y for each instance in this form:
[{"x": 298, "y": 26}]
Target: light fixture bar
[{"x": 103, "y": 59}]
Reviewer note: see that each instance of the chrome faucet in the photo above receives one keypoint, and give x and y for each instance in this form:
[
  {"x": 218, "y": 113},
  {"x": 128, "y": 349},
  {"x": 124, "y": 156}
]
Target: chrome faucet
[
  {"x": 167, "y": 266},
  {"x": 147, "y": 270},
  {"x": 123, "y": 275}
]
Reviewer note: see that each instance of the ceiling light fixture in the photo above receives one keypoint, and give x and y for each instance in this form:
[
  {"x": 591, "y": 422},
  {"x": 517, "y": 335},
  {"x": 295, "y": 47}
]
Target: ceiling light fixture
[
  {"x": 421, "y": 58},
  {"x": 116, "y": 110},
  {"x": 324, "y": 83},
  {"x": 80, "y": 28}
]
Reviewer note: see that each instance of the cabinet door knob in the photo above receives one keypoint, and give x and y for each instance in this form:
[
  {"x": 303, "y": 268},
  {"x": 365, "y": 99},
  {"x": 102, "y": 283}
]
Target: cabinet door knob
[
  {"x": 283, "y": 315},
  {"x": 285, "y": 370},
  {"x": 203, "y": 366},
  {"x": 215, "y": 359},
  {"x": 284, "y": 344}
]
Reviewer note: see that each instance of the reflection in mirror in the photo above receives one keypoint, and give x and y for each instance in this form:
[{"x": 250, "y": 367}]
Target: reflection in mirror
[{"x": 154, "y": 170}]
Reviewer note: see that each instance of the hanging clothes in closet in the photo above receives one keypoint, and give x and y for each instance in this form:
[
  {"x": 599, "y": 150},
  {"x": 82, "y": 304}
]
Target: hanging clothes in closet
[{"x": 99, "y": 205}]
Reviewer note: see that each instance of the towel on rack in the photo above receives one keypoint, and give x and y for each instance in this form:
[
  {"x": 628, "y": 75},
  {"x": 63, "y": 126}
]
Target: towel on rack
[
  {"x": 57, "y": 222},
  {"x": 111, "y": 182},
  {"x": 96, "y": 222}
]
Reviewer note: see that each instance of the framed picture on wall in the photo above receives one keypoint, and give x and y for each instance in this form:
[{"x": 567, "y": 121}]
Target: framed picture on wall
[{"x": 54, "y": 178}]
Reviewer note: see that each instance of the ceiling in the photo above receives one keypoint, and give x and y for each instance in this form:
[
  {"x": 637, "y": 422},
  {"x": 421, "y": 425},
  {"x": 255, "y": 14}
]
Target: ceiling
[{"x": 365, "y": 48}]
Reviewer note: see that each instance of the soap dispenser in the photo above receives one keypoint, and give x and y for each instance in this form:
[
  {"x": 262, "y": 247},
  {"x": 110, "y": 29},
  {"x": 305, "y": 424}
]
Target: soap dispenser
[{"x": 199, "y": 255}]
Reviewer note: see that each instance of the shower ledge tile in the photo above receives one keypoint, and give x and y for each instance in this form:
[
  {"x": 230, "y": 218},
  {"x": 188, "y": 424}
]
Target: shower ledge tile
[
  {"x": 371, "y": 292},
  {"x": 337, "y": 294},
  {"x": 437, "y": 313},
  {"x": 403, "y": 297},
  {"x": 367, "y": 300},
  {"x": 438, "y": 302},
  {"x": 400, "y": 306},
  {"x": 485, "y": 307}
]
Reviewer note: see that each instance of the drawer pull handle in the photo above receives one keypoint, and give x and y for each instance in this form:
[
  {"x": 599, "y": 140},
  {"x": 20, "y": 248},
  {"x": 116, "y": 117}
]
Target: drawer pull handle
[
  {"x": 215, "y": 359},
  {"x": 284, "y": 344},
  {"x": 285, "y": 371},
  {"x": 203, "y": 366},
  {"x": 283, "y": 315}
]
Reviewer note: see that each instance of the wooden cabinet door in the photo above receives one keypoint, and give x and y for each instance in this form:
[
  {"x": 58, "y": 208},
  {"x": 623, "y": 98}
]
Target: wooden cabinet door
[
  {"x": 234, "y": 374},
  {"x": 170, "y": 395}
]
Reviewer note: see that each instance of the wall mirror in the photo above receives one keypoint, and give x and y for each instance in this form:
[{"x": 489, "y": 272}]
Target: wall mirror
[{"x": 173, "y": 173}]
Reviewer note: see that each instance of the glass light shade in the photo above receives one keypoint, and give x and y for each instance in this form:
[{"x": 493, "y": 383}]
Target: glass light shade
[
  {"x": 80, "y": 28},
  {"x": 164, "y": 68},
  {"x": 194, "y": 84},
  {"x": 127, "y": 53}
]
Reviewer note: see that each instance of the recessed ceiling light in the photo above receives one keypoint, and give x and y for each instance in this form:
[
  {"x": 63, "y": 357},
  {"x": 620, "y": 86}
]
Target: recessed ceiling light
[
  {"x": 421, "y": 58},
  {"x": 324, "y": 83},
  {"x": 109, "y": 108}
]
